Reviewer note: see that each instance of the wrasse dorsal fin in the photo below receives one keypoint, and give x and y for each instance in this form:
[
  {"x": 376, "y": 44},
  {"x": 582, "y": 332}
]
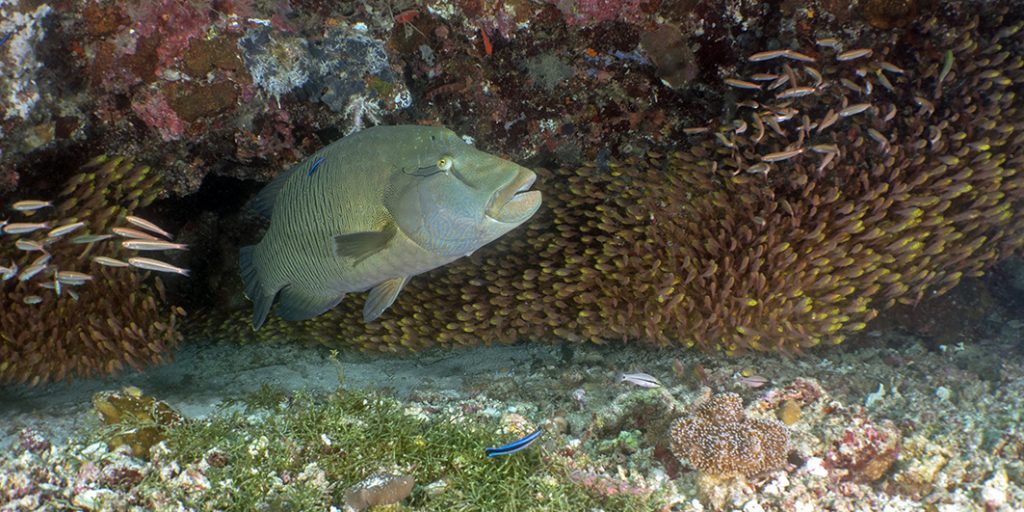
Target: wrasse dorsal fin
[
  {"x": 382, "y": 297},
  {"x": 263, "y": 203},
  {"x": 364, "y": 244}
]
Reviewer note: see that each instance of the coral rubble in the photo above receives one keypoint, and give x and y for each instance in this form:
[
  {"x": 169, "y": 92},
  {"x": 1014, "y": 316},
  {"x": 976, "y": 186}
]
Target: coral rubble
[{"x": 107, "y": 318}]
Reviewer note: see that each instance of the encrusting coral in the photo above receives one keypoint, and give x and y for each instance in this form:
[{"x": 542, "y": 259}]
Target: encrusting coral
[
  {"x": 849, "y": 179},
  {"x": 718, "y": 439},
  {"x": 106, "y": 317}
]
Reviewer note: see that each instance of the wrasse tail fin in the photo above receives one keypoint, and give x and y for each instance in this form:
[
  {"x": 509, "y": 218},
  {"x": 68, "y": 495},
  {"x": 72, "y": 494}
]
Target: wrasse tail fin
[
  {"x": 382, "y": 297},
  {"x": 261, "y": 299}
]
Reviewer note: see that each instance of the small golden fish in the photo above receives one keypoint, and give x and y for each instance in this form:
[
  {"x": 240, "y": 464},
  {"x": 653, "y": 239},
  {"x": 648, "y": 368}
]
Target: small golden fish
[
  {"x": 30, "y": 205},
  {"x": 854, "y": 54},
  {"x": 88, "y": 239},
  {"x": 854, "y": 109},
  {"x": 797, "y": 56},
  {"x": 65, "y": 229},
  {"x": 781, "y": 155},
  {"x": 769, "y": 55},
  {"x": 741, "y": 84},
  {"x": 21, "y": 228},
  {"x": 157, "y": 265}
]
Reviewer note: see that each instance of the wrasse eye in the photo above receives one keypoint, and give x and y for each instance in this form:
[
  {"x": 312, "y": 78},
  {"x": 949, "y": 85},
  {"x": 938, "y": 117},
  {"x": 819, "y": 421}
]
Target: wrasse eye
[{"x": 445, "y": 163}]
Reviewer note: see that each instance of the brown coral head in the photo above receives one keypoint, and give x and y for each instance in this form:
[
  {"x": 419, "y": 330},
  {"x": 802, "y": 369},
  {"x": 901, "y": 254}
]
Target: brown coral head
[
  {"x": 887, "y": 14},
  {"x": 718, "y": 439}
]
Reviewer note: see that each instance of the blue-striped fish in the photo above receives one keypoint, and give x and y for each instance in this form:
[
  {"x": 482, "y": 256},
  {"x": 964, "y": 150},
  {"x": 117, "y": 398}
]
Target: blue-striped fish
[
  {"x": 384, "y": 204},
  {"x": 514, "y": 446}
]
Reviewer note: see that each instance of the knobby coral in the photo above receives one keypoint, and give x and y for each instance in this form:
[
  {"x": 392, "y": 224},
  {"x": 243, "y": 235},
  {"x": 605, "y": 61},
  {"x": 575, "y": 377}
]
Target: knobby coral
[
  {"x": 719, "y": 439},
  {"x": 847, "y": 181},
  {"x": 106, "y": 317}
]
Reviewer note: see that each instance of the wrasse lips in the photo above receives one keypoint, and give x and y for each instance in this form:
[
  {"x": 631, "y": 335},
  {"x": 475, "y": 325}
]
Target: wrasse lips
[{"x": 516, "y": 202}]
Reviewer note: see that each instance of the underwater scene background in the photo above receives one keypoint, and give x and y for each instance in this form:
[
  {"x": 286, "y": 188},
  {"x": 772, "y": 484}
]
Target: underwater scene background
[{"x": 776, "y": 264}]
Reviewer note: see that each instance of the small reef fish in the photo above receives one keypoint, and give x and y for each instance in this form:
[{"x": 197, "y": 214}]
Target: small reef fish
[
  {"x": 6, "y": 273},
  {"x": 33, "y": 299},
  {"x": 72, "y": 278},
  {"x": 385, "y": 204},
  {"x": 152, "y": 245},
  {"x": 109, "y": 262},
  {"x": 147, "y": 225},
  {"x": 753, "y": 381},
  {"x": 31, "y": 271},
  {"x": 30, "y": 205},
  {"x": 22, "y": 228},
  {"x": 65, "y": 229},
  {"x": 132, "y": 233},
  {"x": 29, "y": 245},
  {"x": 639, "y": 379},
  {"x": 88, "y": 239},
  {"x": 156, "y": 265},
  {"x": 514, "y": 446}
]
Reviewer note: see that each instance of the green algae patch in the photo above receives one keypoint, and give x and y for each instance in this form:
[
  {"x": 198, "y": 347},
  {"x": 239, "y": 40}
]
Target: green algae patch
[{"x": 304, "y": 451}]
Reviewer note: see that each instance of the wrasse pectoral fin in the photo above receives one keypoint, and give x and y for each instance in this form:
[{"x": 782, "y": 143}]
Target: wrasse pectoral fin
[
  {"x": 382, "y": 297},
  {"x": 362, "y": 245},
  {"x": 514, "y": 446}
]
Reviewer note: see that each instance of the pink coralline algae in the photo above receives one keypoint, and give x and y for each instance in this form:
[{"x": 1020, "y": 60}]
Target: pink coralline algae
[
  {"x": 174, "y": 22},
  {"x": 153, "y": 109},
  {"x": 866, "y": 450}
]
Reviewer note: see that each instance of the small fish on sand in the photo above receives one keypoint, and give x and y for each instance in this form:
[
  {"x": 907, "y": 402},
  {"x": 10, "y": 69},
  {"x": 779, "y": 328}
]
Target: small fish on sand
[
  {"x": 33, "y": 299},
  {"x": 23, "y": 228},
  {"x": 639, "y": 379},
  {"x": 152, "y": 245},
  {"x": 147, "y": 225},
  {"x": 156, "y": 265},
  {"x": 514, "y": 446},
  {"x": 385, "y": 204},
  {"x": 30, "y": 205}
]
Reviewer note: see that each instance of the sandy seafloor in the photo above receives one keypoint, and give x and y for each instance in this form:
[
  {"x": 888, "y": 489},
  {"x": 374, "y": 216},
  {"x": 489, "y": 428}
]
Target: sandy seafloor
[{"x": 957, "y": 409}]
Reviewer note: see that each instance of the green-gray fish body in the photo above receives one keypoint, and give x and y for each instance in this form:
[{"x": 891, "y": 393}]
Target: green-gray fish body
[{"x": 372, "y": 210}]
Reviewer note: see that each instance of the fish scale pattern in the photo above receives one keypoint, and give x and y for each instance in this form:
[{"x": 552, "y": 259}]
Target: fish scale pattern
[
  {"x": 851, "y": 178},
  {"x": 117, "y": 318}
]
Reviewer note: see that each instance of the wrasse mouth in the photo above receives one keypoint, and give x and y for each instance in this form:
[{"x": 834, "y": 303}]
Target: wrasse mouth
[{"x": 516, "y": 202}]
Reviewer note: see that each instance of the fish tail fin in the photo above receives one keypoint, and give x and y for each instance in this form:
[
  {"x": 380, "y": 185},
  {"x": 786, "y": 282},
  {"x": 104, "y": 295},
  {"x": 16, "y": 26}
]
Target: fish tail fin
[{"x": 254, "y": 287}]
